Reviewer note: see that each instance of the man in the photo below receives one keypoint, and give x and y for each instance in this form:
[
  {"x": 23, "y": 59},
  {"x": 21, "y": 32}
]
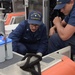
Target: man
[
  {"x": 65, "y": 29},
  {"x": 30, "y": 36}
]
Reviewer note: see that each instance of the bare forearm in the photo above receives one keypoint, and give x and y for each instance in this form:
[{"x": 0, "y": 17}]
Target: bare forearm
[
  {"x": 60, "y": 30},
  {"x": 59, "y": 24}
]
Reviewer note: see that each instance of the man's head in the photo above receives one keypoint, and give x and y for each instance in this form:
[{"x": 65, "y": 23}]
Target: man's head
[
  {"x": 60, "y": 4},
  {"x": 35, "y": 17},
  {"x": 64, "y": 6},
  {"x": 35, "y": 20}
]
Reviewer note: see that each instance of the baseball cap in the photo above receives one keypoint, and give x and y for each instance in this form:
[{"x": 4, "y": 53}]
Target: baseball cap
[
  {"x": 60, "y": 4},
  {"x": 35, "y": 17}
]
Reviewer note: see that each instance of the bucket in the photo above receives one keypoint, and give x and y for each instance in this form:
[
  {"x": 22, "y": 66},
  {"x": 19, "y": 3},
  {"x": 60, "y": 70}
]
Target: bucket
[
  {"x": 2, "y": 50},
  {"x": 9, "y": 52}
]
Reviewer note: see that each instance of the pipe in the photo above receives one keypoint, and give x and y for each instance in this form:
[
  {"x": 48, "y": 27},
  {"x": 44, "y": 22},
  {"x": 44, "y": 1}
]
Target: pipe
[{"x": 2, "y": 26}]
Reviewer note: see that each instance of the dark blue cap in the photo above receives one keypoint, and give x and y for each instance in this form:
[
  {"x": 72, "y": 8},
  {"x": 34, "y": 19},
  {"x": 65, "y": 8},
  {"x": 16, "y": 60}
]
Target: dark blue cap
[
  {"x": 60, "y": 4},
  {"x": 35, "y": 17}
]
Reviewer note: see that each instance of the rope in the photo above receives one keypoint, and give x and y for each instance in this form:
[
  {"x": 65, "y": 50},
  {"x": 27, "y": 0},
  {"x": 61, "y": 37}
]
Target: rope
[{"x": 30, "y": 66}]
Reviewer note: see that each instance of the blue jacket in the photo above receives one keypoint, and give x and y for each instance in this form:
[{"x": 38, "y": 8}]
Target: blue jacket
[{"x": 36, "y": 41}]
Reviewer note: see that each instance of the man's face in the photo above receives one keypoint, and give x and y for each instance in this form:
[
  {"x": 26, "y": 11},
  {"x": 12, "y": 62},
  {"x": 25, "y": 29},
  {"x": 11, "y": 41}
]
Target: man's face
[
  {"x": 66, "y": 9},
  {"x": 33, "y": 27}
]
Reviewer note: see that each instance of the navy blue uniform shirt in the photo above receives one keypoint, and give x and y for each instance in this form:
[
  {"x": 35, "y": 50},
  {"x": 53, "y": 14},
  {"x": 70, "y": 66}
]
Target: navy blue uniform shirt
[
  {"x": 70, "y": 19},
  {"x": 33, "y": 41}
]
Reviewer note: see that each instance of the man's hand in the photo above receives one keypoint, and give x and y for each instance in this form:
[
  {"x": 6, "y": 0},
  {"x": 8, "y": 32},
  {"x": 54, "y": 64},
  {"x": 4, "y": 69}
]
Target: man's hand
[
  {"x": 33, "y": 58},
  {"x": 30, "y": 62},
  {"x": 52, "y": 31},
  {"x": 57, "y": 21}
]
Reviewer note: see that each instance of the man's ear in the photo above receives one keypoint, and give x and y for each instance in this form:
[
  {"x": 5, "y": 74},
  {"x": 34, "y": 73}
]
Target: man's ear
[{"x": 72, "y": 1}]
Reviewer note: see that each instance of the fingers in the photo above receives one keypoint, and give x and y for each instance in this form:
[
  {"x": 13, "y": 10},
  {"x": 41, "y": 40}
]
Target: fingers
[
  {"x": 39, "y": 53},
  {"x": 52, "y": 31}
]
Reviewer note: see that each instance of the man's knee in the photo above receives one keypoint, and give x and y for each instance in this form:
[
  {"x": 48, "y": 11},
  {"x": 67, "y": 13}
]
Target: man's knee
[
  {"x": 55, "y": 43},
  {"x": 54, "y": 37},
  {"x": 22, "y": 48}
]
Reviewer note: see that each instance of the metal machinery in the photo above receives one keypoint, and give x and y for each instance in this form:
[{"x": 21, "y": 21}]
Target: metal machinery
[
  {"x": 14, "y": 18},
  {"x": 2, "y": 28},
  {"x": 45, "y": 7},
  {"x": 17, "y": 5},
  {"x": 12, "y": 5},
  {"x": 39, "y": 5},
  {"x": 11, "y": 9},
  {"x": 7, "y": 4}
]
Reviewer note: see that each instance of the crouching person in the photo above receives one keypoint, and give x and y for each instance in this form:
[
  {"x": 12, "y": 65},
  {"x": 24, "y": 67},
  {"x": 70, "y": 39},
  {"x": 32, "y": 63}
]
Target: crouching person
[{"x": 30, "y": 35}]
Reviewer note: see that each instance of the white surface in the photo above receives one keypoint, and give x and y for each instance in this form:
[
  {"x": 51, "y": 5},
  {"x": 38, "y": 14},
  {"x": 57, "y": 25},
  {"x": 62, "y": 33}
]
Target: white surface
[
  {"x": 9, "y": 28},
  {"x": 18, "y": 54},
  {"x": 1, "y": 73},
  {"x": 15, "y": 69},
  {"x": 65, "y": 51},
  {"x": 9, "y": 52},
  {"x": 2, "y": 53},
  {"x": 47, "y": 64}
]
